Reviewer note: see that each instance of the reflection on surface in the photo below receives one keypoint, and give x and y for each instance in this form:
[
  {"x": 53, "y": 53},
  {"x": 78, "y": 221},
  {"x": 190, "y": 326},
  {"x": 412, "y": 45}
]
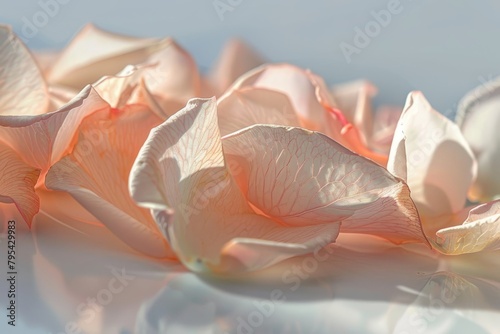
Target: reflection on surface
[{"x": 80, "y": 278}]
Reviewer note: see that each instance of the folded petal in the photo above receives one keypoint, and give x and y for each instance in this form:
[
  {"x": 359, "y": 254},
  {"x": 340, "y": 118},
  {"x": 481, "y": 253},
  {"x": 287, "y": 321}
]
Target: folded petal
[
  {"x": 384, "y": 125},
  {"x": 354, "y": 99},
  {"x": 172, "y": 76},
  {"x": 236, "y": 59},
  {"x": 249, "y": 106},
  {"x": 17, "y": 183},
  {"x": 43, "y": 139},
  {"x": 94, "y": 53},
  {"x": 312, "y": 102},
  {"x": 22, "y": 88},
  {"x": 429, "y": 152},
  {"x": 479, "y": 232},
  {"x": 306, "y": 91},
  {"x": 96, "y": 174},
  {"x": 301, "y": 178},
  {"x": 478, "y": 117},
  {"x": 181, "y": 172}
]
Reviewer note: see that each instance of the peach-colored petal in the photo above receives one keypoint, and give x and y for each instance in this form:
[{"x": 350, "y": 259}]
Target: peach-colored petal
[
  {"x": 375, "y": 129},
  {"x": 173, "y": 76},
  {"x": 248, "y": 106},
  {"x": 305, "y": 91},
  {"x": 181, "y": 174},
  {"x": 236, "y": 59},
  {"x": 315, "y": 107},
  {"x": 59, "y": 96},
  {"x": 97, "y": 170},
  {"x": 479, "y": 119},
  {"x": 94, "y": 53},
  {"x": 46, "y": 58},
  {"x": 430, "y": 153},
  {"x": 384, "y": 125},
  {"x": 41, "y": 140},
  {"x": 301, "y": 178},
  {"x": 354, "y": 99},
  {"x": 479, "y": 232},
  {"x": 17, "y": 183},
  {"x": 22, "y": 88}
]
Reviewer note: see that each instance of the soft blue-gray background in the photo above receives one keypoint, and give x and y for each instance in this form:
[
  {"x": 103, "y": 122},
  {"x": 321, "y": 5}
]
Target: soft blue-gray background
[{"x": 443, "y": 48}]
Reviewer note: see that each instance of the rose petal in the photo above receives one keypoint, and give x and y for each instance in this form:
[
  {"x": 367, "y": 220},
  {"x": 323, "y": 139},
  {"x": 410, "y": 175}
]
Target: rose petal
[
  {"x": 181, "y": 171},
  {"x": 306, "y": 92},
  {"x": 17, "y": 183},
  {"x": 94, "y": 53},
  {"x": 384, "y": 125},
  {"x": 236, "y": 59},
  {"x": 97, "y": 170},
  {"x": 41, "y": 140},
  {"x": 22, "y": 88},
  {"x": 479, "y": 232},
  {"x": 303, "y": 178},
  {"x": 174, "y": 75},
  {"x": 429, "y": 152},
  {"x": 354, "y": 99},
  {"x": 248, "y": 106},
  {"x": 479, "y": 118}
]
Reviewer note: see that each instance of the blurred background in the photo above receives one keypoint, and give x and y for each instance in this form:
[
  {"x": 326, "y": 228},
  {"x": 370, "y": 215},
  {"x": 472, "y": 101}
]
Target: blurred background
[{"x": 443, "y": 48}]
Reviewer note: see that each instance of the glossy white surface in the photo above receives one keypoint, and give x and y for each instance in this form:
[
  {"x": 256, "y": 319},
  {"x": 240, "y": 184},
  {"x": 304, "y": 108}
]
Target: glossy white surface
[
  {"x": 77, "y": 277},
  {"x": 365, "y": 285}
]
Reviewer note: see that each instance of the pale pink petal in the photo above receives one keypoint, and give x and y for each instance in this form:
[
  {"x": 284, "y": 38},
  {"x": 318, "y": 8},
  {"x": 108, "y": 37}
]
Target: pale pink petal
[
  {"x": 479, "y": 119},
  {"x": 479, "y": 232},
  {"x": 96, "y": 174},
  {"x": 384, "y": 125},
  {"x": 430, "y": 153},
  {"x": 248, "y": 106},
  {"x": 17, "y": 183},
  {"x": 354, "y": 99},
  {"x": 45, "y": 59},
  {"x": 94, "y": 53},
  {"x": 236, "y": 59},
  {"x": 315, "y": 107},
  {"x": 301, "y": 178},
  {"x": 181, "y": 174},
  {"x": 306, "y": 91},
  {"x": 41, "y": 140},
  {"x": 172, "y": 76},
  {"x": 59, "y": 96},
  {"x": 22, "y": 88}
]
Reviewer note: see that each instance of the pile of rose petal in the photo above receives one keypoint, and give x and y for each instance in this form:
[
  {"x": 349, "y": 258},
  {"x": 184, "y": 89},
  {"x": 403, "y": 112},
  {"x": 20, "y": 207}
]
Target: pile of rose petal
[{"x": 126, "y": 133}]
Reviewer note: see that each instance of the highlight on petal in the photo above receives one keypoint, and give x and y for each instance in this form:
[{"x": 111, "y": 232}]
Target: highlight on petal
[
  {"x": 172, "y": 76},
  {"x": 41, "y": 140},
  {"x": 96, "y": 174},
  {"x": 94, "y": 53},
  {"x": 384, "y": 125},
  {"x": 180, "y": 173},
  {"x": 478, "y": 117},
  {"x": 22, "y": 88},
  {"x": 236, "y": 59},
  {"x": 300, "y": 178},
  {"x": 248, "y": 106},
  {"x": 479, "y": 232},
  {"x": 429, "y": 152},
  {"x": 376, "y": 127},
  {"x": 354, "y": 99},
  {"x": 17, "y": 183},
  {"x": 312, "y": 102},
  {"x": 306, "y": 91}
]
